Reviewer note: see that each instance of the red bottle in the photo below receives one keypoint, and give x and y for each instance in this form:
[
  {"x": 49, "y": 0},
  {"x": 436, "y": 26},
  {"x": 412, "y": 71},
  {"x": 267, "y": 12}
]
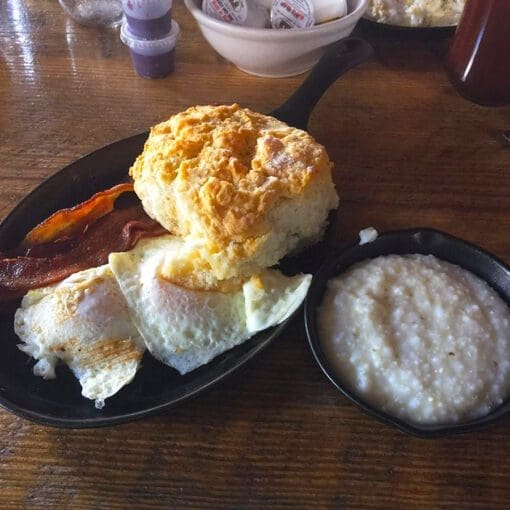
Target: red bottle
[{"x": 478, "y": 59}]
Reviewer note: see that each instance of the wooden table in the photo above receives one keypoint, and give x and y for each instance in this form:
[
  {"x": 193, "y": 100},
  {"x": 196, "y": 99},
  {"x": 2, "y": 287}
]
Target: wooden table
[{"x": 408, "y": 152}]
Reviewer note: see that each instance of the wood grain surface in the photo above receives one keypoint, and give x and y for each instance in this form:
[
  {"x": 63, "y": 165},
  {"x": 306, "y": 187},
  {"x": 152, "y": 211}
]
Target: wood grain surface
[{"x": 408, "y": 152}]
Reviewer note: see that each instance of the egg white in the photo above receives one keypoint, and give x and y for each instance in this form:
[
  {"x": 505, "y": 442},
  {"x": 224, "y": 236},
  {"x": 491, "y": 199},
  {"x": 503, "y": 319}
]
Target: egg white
[
  {"x": 100, "y": 320},
  {"x": 187, "y": 328},
  {"x": 84, "y": 322}
]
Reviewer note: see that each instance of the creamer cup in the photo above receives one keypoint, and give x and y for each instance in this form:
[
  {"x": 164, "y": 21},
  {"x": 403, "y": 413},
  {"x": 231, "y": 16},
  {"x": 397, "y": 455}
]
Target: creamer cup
[
  {"x": 237, "y": 12},
  {"x": 292, "y": 14},
  {"x": 326, "y": 10}
]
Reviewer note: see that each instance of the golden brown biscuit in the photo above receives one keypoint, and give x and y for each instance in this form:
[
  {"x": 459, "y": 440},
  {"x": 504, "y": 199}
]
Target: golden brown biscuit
[{"x": 243, "y": 188}]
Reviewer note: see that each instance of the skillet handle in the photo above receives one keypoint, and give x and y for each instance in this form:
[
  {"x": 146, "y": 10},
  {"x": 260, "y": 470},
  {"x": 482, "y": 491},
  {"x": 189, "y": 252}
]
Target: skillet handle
[{"x": 338, "y": 59}]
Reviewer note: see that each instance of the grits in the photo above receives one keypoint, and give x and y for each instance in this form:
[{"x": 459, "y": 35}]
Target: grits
[{"x": 418, "y": 338}]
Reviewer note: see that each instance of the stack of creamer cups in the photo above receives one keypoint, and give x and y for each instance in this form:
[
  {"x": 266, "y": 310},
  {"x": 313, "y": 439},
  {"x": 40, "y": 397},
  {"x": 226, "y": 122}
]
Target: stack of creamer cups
[
  {"x": 151, "y": 34},
  {"x": 275, "y": 13}
]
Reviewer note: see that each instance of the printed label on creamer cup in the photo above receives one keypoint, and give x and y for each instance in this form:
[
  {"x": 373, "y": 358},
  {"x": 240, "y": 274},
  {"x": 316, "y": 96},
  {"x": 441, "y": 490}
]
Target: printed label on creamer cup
[
  {"x": 292, "y": 14},
  {"x": 230, "y": 11}
]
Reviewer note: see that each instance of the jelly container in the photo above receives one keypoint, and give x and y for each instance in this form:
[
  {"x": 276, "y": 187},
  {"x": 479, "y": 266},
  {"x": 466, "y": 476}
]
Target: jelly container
[
  {"x": 148, "y": 19},
  {"x": 151, "y": 58}
]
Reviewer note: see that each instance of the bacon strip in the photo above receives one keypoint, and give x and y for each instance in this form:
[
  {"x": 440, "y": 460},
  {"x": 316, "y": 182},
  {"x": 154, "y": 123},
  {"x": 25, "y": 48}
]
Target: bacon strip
[
  {"x": 118, "y": 230},
  {"x": 69, "y": 222}
]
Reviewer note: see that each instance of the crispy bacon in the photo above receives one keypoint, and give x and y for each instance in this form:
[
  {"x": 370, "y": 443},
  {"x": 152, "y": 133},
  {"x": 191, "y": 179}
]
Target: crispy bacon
[
  {"x": 118, "y": 230},
  {"x": 69, "y": 222}
]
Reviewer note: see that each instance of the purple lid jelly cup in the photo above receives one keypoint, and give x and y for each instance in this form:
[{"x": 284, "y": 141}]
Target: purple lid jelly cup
[
  {"x": 148, "y": 19},
  {"x": 154, "y": 58},
  {"x": 146, "y": 9}
]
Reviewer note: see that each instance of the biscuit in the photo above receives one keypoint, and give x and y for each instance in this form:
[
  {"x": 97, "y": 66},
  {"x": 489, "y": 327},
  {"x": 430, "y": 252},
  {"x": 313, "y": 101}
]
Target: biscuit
[{"x": 244, "y": 188}]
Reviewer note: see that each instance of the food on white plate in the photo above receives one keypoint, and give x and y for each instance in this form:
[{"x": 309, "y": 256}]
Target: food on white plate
[
  {"x": 415, "y": 13},
  {"x": 186, "y": 328},
  {"x": 246, "y": 188},
  {"x": 84, "y": 322},
  {"x": 238, "y": 191},
  {"x": 418, "y": 338}
]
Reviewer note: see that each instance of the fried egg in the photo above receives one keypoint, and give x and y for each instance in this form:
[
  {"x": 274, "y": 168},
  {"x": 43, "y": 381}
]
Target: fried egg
[
  {"x": 84, "y": 322},
  {"x": 99, "y": 321},
  {"x": 186, "y": 328}
]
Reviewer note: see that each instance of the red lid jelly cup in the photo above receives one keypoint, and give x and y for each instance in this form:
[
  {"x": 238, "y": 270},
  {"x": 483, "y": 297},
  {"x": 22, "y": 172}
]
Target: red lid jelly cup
[
  {"x": 155, "y": 58},
  {"x": 148, "y": 19}
]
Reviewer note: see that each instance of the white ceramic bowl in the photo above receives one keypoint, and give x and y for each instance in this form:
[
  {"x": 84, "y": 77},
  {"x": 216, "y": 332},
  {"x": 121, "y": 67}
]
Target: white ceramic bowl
[{"x": 271, "y": 52}]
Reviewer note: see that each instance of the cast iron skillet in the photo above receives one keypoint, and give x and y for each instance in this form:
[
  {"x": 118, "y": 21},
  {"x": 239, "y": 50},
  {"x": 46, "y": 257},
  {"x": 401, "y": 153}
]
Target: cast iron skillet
[
  {"x": 156, "y": 387},
  {"x": 425, "y": 241}
]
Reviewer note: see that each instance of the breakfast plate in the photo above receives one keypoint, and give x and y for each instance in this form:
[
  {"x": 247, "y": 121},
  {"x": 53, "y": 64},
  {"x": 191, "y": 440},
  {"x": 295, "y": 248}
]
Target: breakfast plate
[
  {"x": 156, "y": 386},
  {"x": 414, "y": 241}
]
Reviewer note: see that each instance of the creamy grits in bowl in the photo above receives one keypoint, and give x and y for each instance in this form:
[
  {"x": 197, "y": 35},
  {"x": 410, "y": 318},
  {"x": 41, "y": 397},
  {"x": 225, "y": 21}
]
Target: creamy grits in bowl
[{"x": 414, "y": 327}]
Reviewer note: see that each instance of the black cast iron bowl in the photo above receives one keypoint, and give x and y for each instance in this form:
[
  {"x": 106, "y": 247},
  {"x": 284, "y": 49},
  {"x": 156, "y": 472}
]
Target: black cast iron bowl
[
  {"x": 156, "y": 387},
  {"x": 424, "y": 241}
]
